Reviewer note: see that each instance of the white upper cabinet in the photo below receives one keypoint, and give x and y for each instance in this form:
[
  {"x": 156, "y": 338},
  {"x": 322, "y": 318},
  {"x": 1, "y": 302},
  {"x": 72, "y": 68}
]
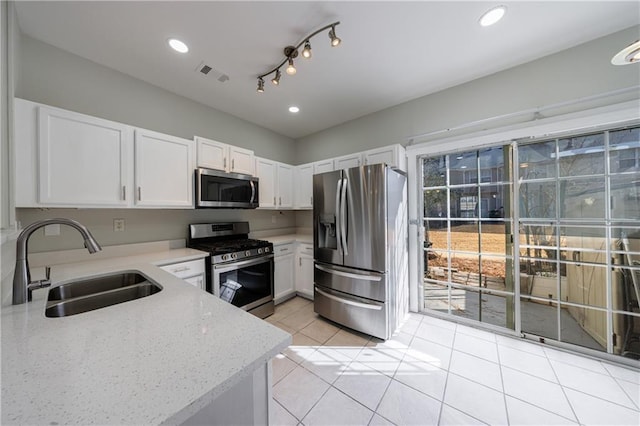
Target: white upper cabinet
[
  {"x": 348, "y": 161},
  {"x": 275, "y": 189},
  {"x": 323, "y": 166},
  {"x": 221, "y": 156},
  {"x": 303, "y": 188},
  {"x": 82, "y": 160},
  {"x": 164, "y": 167},
  {"x": 393, "y": 155}
]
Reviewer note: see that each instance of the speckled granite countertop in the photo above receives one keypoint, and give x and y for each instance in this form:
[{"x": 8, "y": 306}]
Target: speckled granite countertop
[{"x": 158, "y": 359}]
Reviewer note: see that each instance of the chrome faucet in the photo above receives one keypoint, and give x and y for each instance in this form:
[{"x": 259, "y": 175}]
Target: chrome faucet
[{"x": 22, "y": 284}]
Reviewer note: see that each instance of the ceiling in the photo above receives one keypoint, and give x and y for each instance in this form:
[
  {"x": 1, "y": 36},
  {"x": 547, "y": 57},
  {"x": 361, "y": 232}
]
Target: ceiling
[{"x": 391, "y": 52}]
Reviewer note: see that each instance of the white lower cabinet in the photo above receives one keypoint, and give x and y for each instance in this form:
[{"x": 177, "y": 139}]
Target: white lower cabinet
[
  {"x": 191, "y": 272},
  {"x": 283, "y": 273},
  {"x": 304, "y": 270}
]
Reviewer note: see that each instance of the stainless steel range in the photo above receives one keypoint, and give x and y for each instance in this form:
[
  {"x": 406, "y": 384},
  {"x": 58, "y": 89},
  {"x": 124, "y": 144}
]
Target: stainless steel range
[{"x": 240, "y": 269}]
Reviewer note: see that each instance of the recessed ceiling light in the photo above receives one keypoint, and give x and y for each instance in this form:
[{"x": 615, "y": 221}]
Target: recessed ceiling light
[
  {"x": 294, "y": 109},
  {"x": 178, "y": 45},
  {"x": 492, "y": 16},
  {"x": 628, "y": 55}
]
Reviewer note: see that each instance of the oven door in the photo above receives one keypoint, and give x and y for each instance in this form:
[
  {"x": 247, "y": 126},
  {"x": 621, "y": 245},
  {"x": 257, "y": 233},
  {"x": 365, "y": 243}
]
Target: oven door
[{"x": 246, "y": 283}]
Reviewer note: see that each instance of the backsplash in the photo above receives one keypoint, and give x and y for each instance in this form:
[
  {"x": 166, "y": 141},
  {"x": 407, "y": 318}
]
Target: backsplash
[{"x": 143, "y": 225}]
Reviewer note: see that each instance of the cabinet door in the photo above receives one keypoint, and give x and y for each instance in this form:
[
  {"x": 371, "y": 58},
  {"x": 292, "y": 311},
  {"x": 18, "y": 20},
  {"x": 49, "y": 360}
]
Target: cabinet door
[
  {"x": 348, "y": 161},
  {"x": 285, "y": 186},
  {"x": 303, "y": 188},
  {"x": 392, "y": 155},
  {"x": 283, "y": 275},
  {"x": 304, "y": 275},
  {"x": 83, "y": 160},
  {"x": 266, "y": 172},
  {"x": 163, "y": 170},
  {"x": 323, "y": 166},
  {"x": 212, "y": 154},
  {"x": 242, "y": 161}
]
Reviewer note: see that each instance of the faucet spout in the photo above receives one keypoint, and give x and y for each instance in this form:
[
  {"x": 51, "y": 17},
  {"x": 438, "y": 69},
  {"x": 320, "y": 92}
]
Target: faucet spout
[{"x": 22, "y": 285}]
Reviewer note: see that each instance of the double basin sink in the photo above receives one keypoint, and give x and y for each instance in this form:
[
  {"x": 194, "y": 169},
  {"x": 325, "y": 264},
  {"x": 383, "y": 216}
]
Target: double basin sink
[{"x": 93, "y": 293}]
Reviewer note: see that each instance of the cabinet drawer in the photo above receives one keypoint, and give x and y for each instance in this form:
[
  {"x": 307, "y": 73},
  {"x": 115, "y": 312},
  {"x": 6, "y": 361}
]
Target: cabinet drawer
[
  {"x": 283, "y": 249},
  {"x": 185, "y": 269},
  {"x": 197, "y": 281},
  {"x": 305, "y": 249}
]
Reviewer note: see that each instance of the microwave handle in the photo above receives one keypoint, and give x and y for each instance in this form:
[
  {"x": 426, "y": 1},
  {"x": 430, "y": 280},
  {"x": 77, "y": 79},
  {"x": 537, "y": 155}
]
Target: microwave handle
[{"x": 253, "y": 191}]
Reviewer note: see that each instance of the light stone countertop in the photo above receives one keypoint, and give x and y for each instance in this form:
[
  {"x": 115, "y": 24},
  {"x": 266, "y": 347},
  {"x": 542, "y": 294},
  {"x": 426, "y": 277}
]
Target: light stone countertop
[
  {"x": 158, "y": 359},
  {"x": 290, "y": 238}
]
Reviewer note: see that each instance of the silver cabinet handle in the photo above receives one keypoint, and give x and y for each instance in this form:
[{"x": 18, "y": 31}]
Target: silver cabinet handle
[
  {"x": 233, "y": 164},
  {"x": 274, "y": 201},
  {"x": 139, "y": 194},
  {"x": 280, "y": 201},
  {"x": 311, "y": 199},
  {"x": 349, "y": 302},
  {"x": 224, "y": 163},
  {"x": 300, "y": 261},
  {"x": 349, "y": 274},
  {"x": 124, "y": 193},
  {"x": 182, "y": 269}
]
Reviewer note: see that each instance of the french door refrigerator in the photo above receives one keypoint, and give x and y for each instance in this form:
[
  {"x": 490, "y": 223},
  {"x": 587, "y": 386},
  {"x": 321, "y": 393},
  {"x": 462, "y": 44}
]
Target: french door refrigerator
[{"x": 360, "y": 248}]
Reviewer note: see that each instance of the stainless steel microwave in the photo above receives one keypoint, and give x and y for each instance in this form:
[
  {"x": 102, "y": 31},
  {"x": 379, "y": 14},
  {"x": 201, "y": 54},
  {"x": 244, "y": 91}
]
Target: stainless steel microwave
[{"x": 216, "y": 189}]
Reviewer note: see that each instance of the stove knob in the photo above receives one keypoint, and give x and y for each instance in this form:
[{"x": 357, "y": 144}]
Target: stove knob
[
  {"x": 224, "y": 257},
  {"x": 247, "y": 253},
  {"x": 234, "y": 255},
  {"x": 267, "y": 249},
  {"x": 259, "y": 251}
]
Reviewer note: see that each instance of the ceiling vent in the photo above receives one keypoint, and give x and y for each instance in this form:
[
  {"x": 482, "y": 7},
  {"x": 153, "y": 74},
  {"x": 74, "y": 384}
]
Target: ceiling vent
[{"x": 208, "y": 71}]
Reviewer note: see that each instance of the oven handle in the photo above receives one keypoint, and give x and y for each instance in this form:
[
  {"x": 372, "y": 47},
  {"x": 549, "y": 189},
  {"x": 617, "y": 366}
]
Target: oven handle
[{"x": 242, "y": 263}]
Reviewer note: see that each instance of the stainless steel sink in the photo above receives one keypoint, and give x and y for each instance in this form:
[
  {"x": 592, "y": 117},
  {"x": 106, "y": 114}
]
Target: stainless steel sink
[{"x": 99, "y": 292}]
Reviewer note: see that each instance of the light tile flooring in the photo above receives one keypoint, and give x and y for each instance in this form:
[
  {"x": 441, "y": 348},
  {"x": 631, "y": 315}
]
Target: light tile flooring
[{"x": 438, "y": 372}]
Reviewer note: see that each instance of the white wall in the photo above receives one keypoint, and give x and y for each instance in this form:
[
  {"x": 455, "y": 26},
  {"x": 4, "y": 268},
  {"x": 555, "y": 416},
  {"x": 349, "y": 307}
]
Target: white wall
[
  {"x": 55, "y": 77},
  {"x": 579, "y": 72}
]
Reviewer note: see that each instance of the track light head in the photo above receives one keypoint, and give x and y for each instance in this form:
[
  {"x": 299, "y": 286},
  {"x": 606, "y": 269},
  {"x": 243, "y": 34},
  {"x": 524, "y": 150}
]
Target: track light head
[
  {"x": 306, "y": 52},
  {"x": 291, "y": 69},
  {"x": 276, "y": 80},
  {"x": 335, "y": 40},
  {"x": 260, "y": 85}
]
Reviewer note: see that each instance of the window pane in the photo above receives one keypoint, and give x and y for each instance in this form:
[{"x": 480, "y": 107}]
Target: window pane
[
  {"x": 465, "y": 237},
  {"x": 493, "y": 201},
  {"x": 582, "y": 198},
  {"x": 494, "y": 273},
  {"x": 537, "y": 161},
  {"x": 583, "y": 155},
  {"x": 625, "y": 196},
  {"x": 465, "y": 269},
  {"x": 626, "y": 288},
  {"x": 625, "y": 154},
  {"x": 464, "y": 202},
  {"x": 625, "y": 343},
  {"x": 538, "y": 200},
  {"x": 492, "y": 165},
  {"x": 494, "y": 238},
  {"x": 496, "y": 309},
  {"x": 465, "y": 303},
  {"x": 585, "y": 285},
  {"x": 434, "y": 171},
  {"x": 435, "y": 203},
  {"x": 584, "y": 327},
  {"x": 540, "y": 319},
  {"x": 463, "y": 168},
  {"x": 436, "y": 235},
  {"x": 436, "y": 296}
]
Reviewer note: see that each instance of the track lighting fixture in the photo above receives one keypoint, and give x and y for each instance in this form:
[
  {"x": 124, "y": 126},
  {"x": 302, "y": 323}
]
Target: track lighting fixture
[
  {"x": 291, "y": 52},
  {"x": 276, "y": 80}
]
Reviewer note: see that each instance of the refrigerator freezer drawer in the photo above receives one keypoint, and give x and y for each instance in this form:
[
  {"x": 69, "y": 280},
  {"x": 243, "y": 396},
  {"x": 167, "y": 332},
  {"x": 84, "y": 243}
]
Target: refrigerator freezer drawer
[
  {"x": 370, "y": 285},
  {"x": 363, "y": 315}
]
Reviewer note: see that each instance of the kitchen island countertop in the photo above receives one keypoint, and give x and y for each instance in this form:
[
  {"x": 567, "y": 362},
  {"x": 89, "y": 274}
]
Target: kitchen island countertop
[{"x": 158, "y": 359}]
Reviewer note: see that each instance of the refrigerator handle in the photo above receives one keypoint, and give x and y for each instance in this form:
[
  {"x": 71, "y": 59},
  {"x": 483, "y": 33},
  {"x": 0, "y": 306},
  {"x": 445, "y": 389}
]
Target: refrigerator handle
[
  {"x": 343, "y": 219},
  {"x": 338, "y": 236},
  {"x": 349, "y": 302}
]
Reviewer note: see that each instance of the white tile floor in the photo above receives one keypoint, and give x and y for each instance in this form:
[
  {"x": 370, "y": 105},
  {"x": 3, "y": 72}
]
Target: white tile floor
[{"x": 438, "y": 372}]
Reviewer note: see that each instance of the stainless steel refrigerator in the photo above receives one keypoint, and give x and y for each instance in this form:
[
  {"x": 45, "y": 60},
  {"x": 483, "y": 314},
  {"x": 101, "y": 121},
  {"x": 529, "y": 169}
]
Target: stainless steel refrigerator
[{"x": 360, "y": 248}]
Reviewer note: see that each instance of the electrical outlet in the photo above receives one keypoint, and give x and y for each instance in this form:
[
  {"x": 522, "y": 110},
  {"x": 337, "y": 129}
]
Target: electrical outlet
[
  {"x": 52, "y": 230},
  {"x": 118, "y": 225}
]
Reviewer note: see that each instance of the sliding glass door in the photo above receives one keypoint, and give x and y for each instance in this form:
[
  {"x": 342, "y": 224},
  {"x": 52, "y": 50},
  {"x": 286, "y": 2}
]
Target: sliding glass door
[{"x": 542, "y": 238}]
